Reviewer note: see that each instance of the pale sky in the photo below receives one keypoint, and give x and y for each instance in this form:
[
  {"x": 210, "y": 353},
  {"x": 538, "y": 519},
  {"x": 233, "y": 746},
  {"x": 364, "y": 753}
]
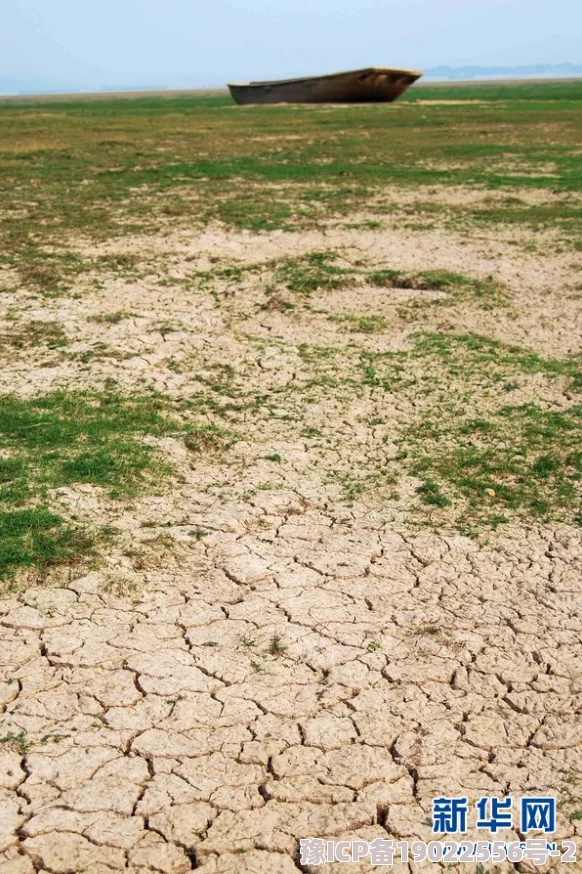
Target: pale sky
[{"x": 83, "y": 44}]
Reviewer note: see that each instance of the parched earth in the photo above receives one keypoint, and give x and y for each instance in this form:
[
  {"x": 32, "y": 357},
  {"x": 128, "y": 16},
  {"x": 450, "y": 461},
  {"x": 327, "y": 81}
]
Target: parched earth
[{"x": 285, "y": 643}]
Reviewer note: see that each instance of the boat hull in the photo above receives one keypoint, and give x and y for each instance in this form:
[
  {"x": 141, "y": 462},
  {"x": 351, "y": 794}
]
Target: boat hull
[{"x": 373, "y": 85}]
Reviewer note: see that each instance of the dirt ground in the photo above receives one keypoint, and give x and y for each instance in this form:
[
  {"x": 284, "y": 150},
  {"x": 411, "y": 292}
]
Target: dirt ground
[{"x": 286, "y": 662}]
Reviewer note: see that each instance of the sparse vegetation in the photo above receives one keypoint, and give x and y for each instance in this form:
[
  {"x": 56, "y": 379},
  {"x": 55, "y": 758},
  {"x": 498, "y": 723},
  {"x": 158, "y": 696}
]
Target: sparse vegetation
[
  {"x": 167, "y": 146},
  {"x": 477, "y": 456},
  {"x": 35, "y": 333},
  {"x": 19, "y": 741},
  {"x": 266, "y": 466},
  {"x": 112, "y": 318},
  {"x": 317, "y": 271},
  {"x": 276, "y": 646},
  {"x": 476, "y": 444},
  {"x": 362, "y": 324},
  {"x": 208, "y": 438},
  {"x": 63, "y": 439},
  {"x": 520, "y": 458}
]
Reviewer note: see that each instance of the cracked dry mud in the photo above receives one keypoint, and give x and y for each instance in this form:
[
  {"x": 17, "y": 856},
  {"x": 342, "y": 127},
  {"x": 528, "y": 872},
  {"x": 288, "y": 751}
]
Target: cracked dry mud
[{"x": 305, "y": 665}]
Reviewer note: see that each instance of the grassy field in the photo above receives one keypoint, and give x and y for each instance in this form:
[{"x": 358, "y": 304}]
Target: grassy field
[
  {"x": 82, "y": 181},
  {"x": 114, "y": 166}
]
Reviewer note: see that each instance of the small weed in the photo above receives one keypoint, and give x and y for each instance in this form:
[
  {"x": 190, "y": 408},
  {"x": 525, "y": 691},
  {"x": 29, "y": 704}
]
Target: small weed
[
  {"x": 311, "y": 431},
  {"x": 119, "y": 586},
  {"x": 368, "y": 225},
  {"x": 199, "y": 533},
  {"x": 112, "y": 318},
  {"x": 19, "y": 740},
  {"x": 432, "y": 495},
  {"x": 123, "y": 262},
  {"x": 164, "y": 327},
  {"x": 277, "y": 304},
  {"x": 355, "y": 486},
  {"x": 276, "y": 647},
  {"x": 99, "y": 352},
  {"x": 362, "y": 324}
]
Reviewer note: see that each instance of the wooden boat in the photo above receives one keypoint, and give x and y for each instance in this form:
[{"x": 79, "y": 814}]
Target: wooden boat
[{"x": 372, "y": 85}]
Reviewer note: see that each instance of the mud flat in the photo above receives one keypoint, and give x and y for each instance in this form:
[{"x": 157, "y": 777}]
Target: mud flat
[{"x": 289, "y": 475}]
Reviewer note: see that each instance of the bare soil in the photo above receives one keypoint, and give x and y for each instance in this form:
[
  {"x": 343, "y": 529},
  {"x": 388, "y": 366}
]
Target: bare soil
[{"x": 303, "y": 667}]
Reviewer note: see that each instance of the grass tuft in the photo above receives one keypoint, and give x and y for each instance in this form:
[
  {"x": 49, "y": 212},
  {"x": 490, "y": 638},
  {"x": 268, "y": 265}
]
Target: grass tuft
[
  {"x": 208, "y": 438},
  {"x": 316, "y": 271}
]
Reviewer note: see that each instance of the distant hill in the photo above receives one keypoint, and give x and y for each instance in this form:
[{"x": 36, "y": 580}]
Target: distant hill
[{"x": 527, "y": 71}]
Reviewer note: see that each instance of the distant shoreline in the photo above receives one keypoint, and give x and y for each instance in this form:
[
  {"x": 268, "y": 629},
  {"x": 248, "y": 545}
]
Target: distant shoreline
[
  {"x": 185, "y": 92},
  {"x": 106, "y": 95}
]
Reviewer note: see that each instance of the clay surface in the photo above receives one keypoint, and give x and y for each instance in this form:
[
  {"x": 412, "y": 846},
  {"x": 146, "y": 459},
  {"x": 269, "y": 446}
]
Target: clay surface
[{"x": 293, "y": 664}]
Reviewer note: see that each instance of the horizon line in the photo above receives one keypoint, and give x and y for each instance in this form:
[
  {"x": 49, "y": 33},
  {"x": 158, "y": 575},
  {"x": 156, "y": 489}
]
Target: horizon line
[{"x": 442, "y": 73}]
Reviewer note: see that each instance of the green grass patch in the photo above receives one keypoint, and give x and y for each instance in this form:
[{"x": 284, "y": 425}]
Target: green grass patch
[
  {"x": 316, "y": 271},
  {"x": 479, "y": 459},
  {"x": 466, "y": 354},
  {"x": 67, "y": 438},
  {"x": 361, "y": 324},
  {"x": 488, "y": 293},
  {"x": 39, "y": 538},
  {"x": 105, "y": 168},
  {"x": 521, "y": 459},
  {"x": 63, "y": 439}
]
